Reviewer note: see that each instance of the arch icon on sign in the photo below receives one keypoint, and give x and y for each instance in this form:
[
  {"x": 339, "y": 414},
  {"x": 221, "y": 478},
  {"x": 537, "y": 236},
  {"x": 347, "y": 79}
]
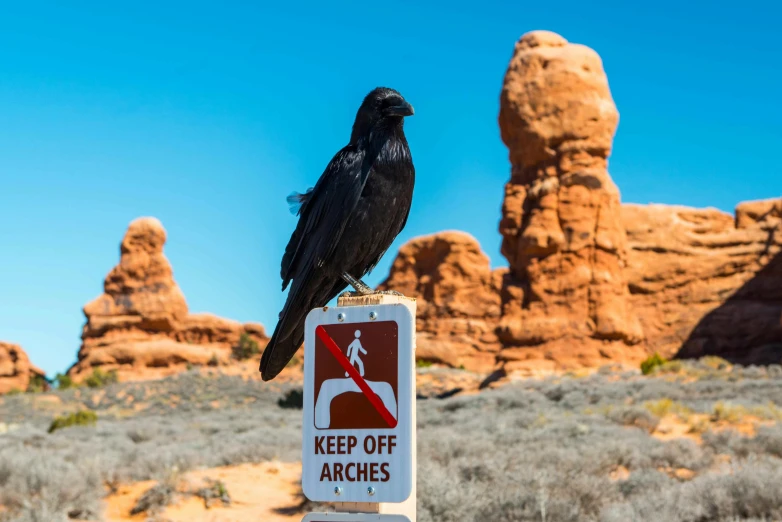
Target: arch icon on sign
[{"x": 334, "y": 387}]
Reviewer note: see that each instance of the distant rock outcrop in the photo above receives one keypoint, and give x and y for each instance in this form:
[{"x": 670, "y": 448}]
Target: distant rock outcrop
[
  {"x": 141, "y": 327},
  {"x": 590, "y": 281},
  {"x": 704, "y": 282},
  {"x": 458, "y": 299},
  {"x": 15, "y": 368},
  {"x": 565, "y": 300}
]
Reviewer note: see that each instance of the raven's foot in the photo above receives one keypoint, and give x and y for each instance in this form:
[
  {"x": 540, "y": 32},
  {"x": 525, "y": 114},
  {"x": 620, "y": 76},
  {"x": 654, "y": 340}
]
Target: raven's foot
[
  {"x": 375, "y": 292},
  {"x": 358, "y": 285},
  {"x": 351, "y": 294}
]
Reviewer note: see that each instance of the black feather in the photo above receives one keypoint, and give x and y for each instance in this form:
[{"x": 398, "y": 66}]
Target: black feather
[{"x": 347, "y": 220}]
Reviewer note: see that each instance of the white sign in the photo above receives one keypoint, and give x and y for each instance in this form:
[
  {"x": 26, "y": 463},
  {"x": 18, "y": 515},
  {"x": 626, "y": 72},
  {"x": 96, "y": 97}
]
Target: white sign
[
  {"x": 358, "y": 401},
  {"x": 353, "y": 517}
]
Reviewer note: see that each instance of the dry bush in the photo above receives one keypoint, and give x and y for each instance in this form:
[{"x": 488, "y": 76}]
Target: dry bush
[
  {"x": 504, "y": 464},
  {"x": 535, "y": 450}
]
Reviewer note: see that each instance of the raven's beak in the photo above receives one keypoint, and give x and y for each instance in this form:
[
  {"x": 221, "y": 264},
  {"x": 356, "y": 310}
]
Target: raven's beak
[{"x": 404, "y": 109}]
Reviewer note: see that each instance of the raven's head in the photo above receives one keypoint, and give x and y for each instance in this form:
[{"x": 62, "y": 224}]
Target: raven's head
[{"x": 382, "y": 105}]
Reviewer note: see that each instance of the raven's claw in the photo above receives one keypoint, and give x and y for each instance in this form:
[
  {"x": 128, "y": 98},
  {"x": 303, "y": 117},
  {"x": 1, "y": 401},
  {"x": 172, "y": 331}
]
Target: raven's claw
[{"x": 358, "y": 285}]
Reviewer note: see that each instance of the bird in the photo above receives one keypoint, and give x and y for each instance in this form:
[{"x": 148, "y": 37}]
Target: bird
[{"x": 346, "y": 222}]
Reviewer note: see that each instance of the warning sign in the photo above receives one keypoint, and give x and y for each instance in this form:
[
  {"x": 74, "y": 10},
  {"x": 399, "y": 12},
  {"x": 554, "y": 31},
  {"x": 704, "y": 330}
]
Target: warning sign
[
  {"x": 359, "y": 387},
  {"x": 358, "y": 399},
  {"x": 353, "y": 517}
]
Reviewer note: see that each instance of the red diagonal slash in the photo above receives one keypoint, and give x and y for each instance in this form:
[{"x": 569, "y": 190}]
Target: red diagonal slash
[{"x": 362, "y": 384}]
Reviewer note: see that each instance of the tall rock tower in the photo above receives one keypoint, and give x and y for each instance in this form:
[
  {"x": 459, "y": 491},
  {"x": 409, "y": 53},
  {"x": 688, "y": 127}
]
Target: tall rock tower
[{"x": 561, "y": 222}]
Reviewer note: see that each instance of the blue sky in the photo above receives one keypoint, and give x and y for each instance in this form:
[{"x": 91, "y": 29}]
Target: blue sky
[{"x": 206, "y": 116}]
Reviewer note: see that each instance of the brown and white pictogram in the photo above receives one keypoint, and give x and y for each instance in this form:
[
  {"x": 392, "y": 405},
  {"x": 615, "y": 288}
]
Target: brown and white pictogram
[{"x": 356, "y": 375}]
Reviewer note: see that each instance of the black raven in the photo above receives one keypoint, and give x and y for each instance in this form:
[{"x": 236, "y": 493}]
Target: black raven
[{"x": 347, "y": 220}]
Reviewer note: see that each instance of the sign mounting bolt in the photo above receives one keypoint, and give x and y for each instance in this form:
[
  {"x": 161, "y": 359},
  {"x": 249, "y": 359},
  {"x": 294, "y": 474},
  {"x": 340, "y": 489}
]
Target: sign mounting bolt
[
  {"x": 337, "y": 490},
  {"x": 372, "y": 316},
  {"x": 370, "y": 491},
  {"x": 341, "y": 318}
]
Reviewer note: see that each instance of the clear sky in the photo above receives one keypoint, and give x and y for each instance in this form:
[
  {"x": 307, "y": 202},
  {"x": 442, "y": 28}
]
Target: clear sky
[{"x": 207, "y": 115}]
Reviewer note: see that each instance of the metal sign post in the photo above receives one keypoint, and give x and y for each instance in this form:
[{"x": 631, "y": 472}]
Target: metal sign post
[{"x": 359, "y": 415}]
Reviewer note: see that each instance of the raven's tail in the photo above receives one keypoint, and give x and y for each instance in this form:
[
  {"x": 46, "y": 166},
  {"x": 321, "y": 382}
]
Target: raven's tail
[
  {"x": 279, "y": 352},
  {"x": 288, "y": 335}
]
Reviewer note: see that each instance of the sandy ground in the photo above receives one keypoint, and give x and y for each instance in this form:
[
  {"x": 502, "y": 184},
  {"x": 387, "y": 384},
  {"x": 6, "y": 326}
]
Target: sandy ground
[{"x": 256, "y": 490}]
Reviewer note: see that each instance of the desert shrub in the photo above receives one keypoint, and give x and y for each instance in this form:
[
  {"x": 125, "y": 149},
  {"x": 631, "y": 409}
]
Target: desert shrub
[
  {"x": 767, "y": 442},
  {"x": 666, "y": 406},
  {"x": 423, "y": 363},
  {"x": 79, "y": 418},
  {"x": 63, "y": 382},
  {"x": 715, "y": 362},
  {"x": 634, "y": 416},
  {"x": 37, "y": 384},
  {"x": 672, "y": 367},
  {"x": 644, "y": 482},
  {"x": 187, "y": 434},
  {"x": 245, "y": 348},
  {"x": 292, "y": 399},
  {"x": 99, "y": 378},
  {"x": 733, "y": 413},
  {"x": 751, "y": 490},
  {"x": 37, "y": 488},
  {"x": 215, "y": 490},
  {"x": 650, "y": 363},
  {"x": 155, "y": 499},
  {"x": 532, "y": 450}
]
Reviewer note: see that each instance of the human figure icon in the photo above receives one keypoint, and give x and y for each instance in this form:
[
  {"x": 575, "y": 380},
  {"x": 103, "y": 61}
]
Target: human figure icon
[{"x": 354, "y": 353}]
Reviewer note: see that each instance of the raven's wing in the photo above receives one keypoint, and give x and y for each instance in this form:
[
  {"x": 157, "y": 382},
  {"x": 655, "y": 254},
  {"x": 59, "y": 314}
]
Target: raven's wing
[
  {"x": 324, "y": 212},
  {"x": 376, "y": 260}
]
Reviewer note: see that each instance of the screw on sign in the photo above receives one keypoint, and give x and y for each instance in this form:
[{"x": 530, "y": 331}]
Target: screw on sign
[
  {"x": 353, "y": 517},
  {"x": 358, "y": 400}
]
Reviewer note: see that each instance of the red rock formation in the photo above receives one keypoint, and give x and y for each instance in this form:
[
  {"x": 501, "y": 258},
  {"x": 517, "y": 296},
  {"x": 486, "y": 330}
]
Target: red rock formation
[
  {"x": 15, "y": 368},
  {"x": 458, "y": 299},
  {"x": 140, "y": 325},
  {"x": 705, "y": 282},
  {"x": 566, "y": 300},
  {"x": 590, "y": 281}
]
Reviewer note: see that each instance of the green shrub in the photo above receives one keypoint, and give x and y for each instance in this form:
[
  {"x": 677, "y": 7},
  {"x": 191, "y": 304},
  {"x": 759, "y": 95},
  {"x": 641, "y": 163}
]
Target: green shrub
[
  {"x": 421, "y": 363},
  {"x": 215, "y": 490},
  {"x": 246, "y": 348},
  {"x": 652, "y": 362},
  {"x": 63, "y": 382},
  {"x": 99, "y": 378},
  {"x": 672, "y": 367},
  {"x": 38, "y": 383},
  {"x": 79, "y": 418},
  {"x": 662, "y": 407},
  {"x": 294, "y": 399}
]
